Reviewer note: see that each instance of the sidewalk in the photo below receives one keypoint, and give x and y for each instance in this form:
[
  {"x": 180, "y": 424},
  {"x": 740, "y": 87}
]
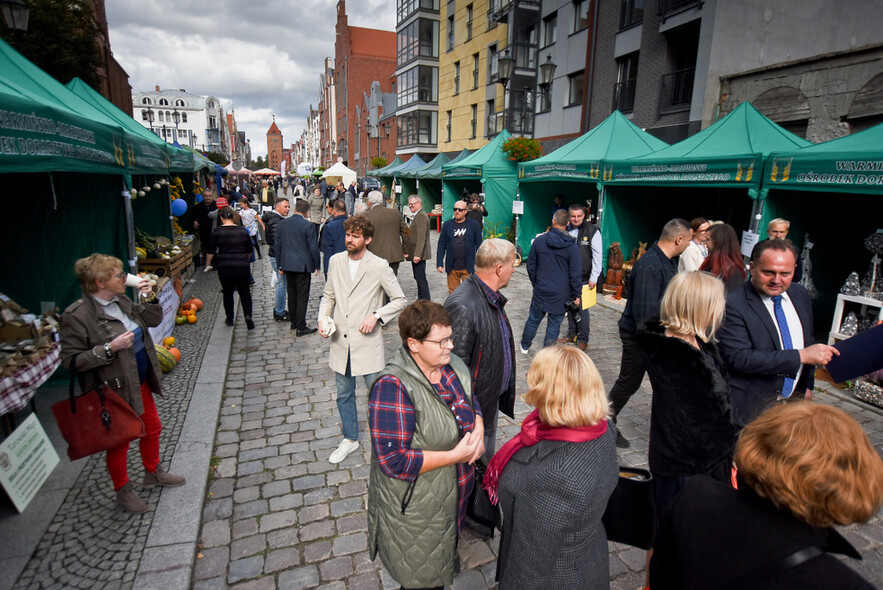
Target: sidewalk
[{"x": 273, "y": 513}]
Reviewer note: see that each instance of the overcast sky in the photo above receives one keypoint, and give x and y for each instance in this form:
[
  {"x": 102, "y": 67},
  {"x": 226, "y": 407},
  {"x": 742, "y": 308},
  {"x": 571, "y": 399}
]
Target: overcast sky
[{"x": 261, "y": 58}]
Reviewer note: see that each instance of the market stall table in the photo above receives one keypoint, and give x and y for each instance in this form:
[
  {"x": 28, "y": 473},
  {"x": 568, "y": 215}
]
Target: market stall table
[{"x": 17, "y": 390}]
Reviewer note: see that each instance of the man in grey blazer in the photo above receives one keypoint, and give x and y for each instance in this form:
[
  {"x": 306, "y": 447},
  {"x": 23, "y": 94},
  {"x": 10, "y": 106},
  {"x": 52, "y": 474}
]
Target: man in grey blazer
[
  {"x": 418, "y": 249},
  {"x": 297, "y": 256},
  {"x": 352, "y": 305}
]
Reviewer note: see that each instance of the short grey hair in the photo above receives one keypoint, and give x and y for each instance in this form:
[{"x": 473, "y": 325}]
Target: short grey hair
[
  {"x": 492, "y": 252},
  {"x": 777, "y": 221},
  {"x": 375, "y": 197},
  {"x": 561, "y": 217}
]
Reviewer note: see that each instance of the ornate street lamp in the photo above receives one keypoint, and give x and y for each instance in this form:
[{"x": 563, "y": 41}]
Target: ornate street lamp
[
  {"x": 16, "y": 14},
  {"x": 176, "y": 117},
  {"x": 506, "y": 68}
]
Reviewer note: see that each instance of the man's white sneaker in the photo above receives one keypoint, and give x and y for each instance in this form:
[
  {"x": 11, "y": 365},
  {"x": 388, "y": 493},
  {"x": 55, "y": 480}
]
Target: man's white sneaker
[
  {"x": 345, "y": 447},
  {"x": 522, "y": 349}
]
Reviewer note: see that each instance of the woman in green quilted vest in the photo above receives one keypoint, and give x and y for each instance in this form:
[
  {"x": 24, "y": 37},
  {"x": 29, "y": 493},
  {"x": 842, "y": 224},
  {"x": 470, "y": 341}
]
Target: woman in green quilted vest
[{"x": 426, "y": 433}]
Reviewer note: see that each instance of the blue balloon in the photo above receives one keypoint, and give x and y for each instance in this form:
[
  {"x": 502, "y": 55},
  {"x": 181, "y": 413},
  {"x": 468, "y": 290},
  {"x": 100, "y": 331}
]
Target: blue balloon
[
  {"x": 198, "y": 198},
  {"x": 179, "y": 207}
]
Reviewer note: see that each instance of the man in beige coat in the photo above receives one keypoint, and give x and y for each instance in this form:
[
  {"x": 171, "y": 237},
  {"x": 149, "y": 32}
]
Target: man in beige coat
[
  {"x": 390, "y": 231},
  {"x": 418, "y": 249},
  {"x": 351, "y": 307}
]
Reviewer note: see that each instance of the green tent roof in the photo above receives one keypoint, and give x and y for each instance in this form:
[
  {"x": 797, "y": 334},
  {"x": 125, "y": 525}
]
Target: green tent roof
[
  {"x": 48, "y": 128},
  {"x": 431, "y": 169},
  {"x": 615, "y": 138},
  {"x": 383, "y": 171},
  {"x": 852, "y": 164},
  {"x": 729, "y": 153},
  {"x": 489, "y": 161},
  {"x": 153, "y": 154}
]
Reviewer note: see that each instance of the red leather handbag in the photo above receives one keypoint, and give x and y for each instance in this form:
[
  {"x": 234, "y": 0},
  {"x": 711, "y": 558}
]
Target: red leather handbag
[{"x": 96, "y": 421}]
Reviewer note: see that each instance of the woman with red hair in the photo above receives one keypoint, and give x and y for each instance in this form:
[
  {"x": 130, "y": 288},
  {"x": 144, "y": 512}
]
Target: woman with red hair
[{"x": 724, "y": 258}]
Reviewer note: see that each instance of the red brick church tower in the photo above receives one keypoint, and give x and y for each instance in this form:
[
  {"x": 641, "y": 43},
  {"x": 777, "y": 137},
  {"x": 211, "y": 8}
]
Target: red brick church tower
[{"x": 274, "y": 146}]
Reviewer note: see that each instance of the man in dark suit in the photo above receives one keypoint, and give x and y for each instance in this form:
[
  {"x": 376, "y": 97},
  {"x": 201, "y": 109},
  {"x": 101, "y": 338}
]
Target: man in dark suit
[
  {"x": 766, "y": 338},
  {"x": 390, "y": 231},
  {"x": 297, "y": 255}
]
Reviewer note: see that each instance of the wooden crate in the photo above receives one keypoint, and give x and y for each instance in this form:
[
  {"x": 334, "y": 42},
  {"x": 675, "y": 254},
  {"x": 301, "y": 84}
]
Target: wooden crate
[{"x": 170, "y": 268}]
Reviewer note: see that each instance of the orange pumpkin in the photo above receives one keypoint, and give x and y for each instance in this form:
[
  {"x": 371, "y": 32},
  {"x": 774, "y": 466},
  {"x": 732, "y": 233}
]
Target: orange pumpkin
[
  {"x": 191, "y": 319},
  {"x": 176, "y": 353},
  {"x": 168, "y": 341},
  {"x": 197, "y": 303}
]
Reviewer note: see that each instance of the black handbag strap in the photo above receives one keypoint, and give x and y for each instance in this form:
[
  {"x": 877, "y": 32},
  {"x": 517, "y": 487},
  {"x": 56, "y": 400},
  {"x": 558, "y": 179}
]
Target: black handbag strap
[{"x": 751, "y": 579}]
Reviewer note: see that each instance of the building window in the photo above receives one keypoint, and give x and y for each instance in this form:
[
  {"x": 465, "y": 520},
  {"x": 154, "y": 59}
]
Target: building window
[
  {"x": 417, "y": 127},
  {"x": 213, "y": 124},
  {"x": 580, "y": 15},
  {"x": 161, "y": 117},
  {"x": 146, "y": 100},
  {"x": 550, "y": 29},
  {"x": 450, "y": 32},
  {"x": 469, "y": 23},
  {"x": 419, "y": 84},
  {"x": 492, "y": 71},
  {"x": 408, "y": 7},
  {"x": 475, "y": 59},
  {"x": 450, "y": 123},
  {"x": 211, "y": 104},
  {"x": 631, "y": 12},
  {"x": 179, "y": 103},
  {"x": 626, "y": 82},
  {"x": 144, "y": 115},
  {"x": 168, "y": 116},
  {"x": 474, "y": 121},
  {"x": 546, "y": 100},
  {"x": 576, "y": 82},
  {"x": 490, "y": 112},
  {"x": 417, "y": 39},
  {"x": 164, "y": 102},
  {"x": 183, "y": 117},
  {"x": 456, "y": 78}
]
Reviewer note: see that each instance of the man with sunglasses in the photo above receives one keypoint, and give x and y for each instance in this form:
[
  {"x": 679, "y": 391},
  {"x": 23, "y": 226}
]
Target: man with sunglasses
[{"x": 459, "y": 239}]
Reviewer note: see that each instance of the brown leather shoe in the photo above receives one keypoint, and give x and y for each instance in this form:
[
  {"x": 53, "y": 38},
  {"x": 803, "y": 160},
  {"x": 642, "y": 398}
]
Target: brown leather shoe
[
  {"x": 162, "y": 478},
  {"x": 130, "y": 500},
  {"x": 582, "y": 346}
]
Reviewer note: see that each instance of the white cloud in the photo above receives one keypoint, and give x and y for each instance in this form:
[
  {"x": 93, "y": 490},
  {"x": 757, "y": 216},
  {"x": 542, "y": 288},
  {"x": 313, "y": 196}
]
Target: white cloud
[{"x": 258, "y": 57}]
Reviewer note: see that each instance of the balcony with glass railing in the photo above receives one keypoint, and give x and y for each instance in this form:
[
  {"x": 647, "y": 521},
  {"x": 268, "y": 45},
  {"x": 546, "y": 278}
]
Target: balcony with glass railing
[{"x": 677, "y": 90}]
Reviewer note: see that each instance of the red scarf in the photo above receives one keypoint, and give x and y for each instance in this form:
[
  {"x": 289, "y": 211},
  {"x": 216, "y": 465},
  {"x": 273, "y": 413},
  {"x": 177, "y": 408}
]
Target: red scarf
[{"x": 534, "y": 430}]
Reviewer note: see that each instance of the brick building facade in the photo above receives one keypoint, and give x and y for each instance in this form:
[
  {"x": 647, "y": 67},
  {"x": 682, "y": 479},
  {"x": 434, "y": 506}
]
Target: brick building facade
[
  {"x": 361, "y": 56},
  {"x": 274, "y": 146}
]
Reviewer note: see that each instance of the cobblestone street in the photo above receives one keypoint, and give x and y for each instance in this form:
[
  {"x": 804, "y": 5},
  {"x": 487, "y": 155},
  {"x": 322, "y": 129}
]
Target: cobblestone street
[{"x": 274, "y": 512}]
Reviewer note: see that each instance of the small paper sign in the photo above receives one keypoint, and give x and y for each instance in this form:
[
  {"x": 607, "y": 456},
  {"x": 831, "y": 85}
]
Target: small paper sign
[
  {"x": 749, "y": 239},
  {"x": 26, "y": 460},
  {"x": 589, "y": 297},
  {"x": 517, "y": 207}
]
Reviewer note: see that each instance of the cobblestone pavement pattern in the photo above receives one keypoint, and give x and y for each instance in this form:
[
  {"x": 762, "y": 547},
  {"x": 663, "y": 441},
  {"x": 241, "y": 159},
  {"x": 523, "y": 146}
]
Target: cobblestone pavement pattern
[{"x": 278, "y": 515}]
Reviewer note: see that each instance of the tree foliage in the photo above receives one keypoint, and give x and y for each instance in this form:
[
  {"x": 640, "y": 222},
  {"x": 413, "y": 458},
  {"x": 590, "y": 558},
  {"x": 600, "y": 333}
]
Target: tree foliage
[
  {"x": 258, "y": 163},
  {"x": 217, "y": 158},
  {"x": 378, "y": 162},
  {"x": 61, "y": 39}
]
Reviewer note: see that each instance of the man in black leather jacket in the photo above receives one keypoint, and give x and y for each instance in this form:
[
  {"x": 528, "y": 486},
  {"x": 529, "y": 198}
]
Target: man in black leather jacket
[{"x": 483, "y": 336}]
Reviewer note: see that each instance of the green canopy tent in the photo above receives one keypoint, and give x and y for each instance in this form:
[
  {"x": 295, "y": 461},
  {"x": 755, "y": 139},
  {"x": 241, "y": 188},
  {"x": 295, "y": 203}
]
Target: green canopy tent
[
  {"x": 415, "y": 162},
  {"x": 708, "y": 174},
  {"x": 386, "y": 175},
  {"x": 71, "y": 161},
  {"x": 425, "y": 181},
  {"x": 824, "y": 187},
  {"x": 575, "y": 171},
  {"x": 487, "y": 169},
  {"x": 394, "y": 164},
  {"x": 152, "y": 162}
]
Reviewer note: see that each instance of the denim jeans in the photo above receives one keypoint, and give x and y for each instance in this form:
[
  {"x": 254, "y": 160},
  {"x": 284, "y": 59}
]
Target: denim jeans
[
  {"x": 346, "y": 402},
  {"x": 279, "y": 306},
  {"x": 534, "y": 317}
]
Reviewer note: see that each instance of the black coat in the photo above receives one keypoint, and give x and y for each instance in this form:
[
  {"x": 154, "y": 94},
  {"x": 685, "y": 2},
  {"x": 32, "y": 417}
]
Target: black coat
[
  {"x": 749, "y": 342},
  {"x": 271, "y": 221},
  {"x": 296, "y": 246},
  {"x": 478, "y": 340},
  {"x": 712, "y": 534},
  {"x": 691, "y": 426},
  {"x": 232, "y": 247}
]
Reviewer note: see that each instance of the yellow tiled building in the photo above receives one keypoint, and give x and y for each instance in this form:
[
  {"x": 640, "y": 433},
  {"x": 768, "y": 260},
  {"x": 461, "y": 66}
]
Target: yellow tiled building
[{"x": 470, "y": 42}]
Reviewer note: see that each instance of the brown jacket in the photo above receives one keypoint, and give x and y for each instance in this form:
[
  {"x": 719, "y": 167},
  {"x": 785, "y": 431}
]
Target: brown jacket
[
  {"x": 85, "y": 329},
  {"x": 418, "y": 240},
  {"x": 390, "y": 233}
]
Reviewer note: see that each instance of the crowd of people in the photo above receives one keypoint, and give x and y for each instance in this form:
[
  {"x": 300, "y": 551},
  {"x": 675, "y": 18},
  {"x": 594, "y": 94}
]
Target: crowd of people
[{"x": 748, "y": 475}]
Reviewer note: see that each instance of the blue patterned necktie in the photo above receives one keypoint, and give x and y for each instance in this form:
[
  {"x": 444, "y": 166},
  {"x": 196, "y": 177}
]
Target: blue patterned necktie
[{"x": 786, "y": 340}]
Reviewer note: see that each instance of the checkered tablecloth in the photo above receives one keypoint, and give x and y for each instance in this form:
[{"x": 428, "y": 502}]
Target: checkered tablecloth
[{"x": 17, "y": 391}]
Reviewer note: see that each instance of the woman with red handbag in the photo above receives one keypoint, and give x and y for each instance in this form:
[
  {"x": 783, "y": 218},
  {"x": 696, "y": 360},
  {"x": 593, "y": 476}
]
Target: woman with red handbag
[{"x": 104, "y": 334}]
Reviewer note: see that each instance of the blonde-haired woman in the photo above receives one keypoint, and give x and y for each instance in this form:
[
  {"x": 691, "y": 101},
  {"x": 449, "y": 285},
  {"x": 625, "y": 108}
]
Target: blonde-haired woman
[
  {"x": 691, "y": 428},
  {"x": 553, "y": 480}
]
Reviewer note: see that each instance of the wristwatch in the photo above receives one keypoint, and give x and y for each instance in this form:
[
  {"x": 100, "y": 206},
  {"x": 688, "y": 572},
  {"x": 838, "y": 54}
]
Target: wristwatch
[{"x": 379, "y": 319}]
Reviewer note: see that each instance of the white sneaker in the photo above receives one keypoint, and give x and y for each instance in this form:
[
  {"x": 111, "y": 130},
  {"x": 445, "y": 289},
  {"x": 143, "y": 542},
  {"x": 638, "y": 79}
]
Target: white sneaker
[
  {"x": 345, "y": 447},
  {"x": 523, "y": 350}
]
